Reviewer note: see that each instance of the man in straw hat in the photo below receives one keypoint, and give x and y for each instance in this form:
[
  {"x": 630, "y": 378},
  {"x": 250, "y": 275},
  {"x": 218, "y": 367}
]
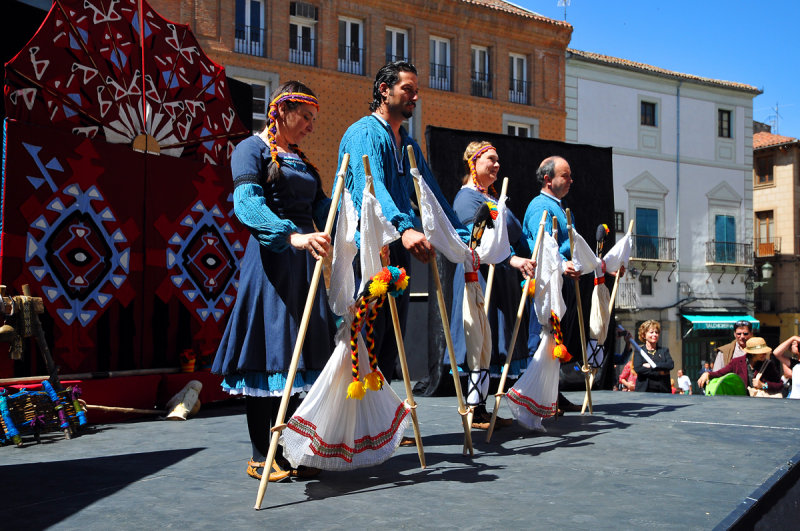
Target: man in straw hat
[{"x": 754, "y": 370}]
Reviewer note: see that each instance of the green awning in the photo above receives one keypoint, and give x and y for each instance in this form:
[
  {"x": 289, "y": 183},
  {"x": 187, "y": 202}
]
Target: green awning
[{"x": 719, "y": 322}]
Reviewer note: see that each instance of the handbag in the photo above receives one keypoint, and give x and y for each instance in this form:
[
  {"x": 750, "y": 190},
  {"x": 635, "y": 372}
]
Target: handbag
[{"x": 761, "y": 393}]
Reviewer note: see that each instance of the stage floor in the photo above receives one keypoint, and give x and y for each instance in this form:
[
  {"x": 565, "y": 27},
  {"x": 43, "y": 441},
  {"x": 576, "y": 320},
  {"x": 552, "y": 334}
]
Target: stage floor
[{"x": 642, "y": 461}]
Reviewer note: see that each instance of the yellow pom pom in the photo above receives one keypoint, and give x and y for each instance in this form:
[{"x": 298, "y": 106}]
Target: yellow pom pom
[
  {"x": 402, "y": 282},
  {"x": 356, "y": 390},
  {"x": 374, "y": 381},
  {"x": 377, "y": 288}
]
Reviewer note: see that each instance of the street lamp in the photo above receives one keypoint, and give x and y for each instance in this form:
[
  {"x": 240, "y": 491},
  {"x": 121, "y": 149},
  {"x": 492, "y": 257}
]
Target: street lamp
[{"x": 766, "y": 271}]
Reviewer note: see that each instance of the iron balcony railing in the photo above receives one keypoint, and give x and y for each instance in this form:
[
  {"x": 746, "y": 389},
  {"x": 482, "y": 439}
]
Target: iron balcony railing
[
  {"x": 653, "y": 248},
  {"x": 518, "y": 91},
  {"x": 392, "y": 58},
  {"x": 481, "y": 84},
  {"x": 767, "y": 247},
  {"x": 441, "y": 77},
  {"x": 727, "y": 253},
  {"x": 303, "y": 51},
  {"x": 249, "y": 40},
  {"x": 351, "y": 60}
]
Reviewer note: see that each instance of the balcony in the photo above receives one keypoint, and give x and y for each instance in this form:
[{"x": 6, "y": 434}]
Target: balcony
[
  {"x": 481, "y": 85},
  {"x": 729, "y": 253},
  {"x": 653, "y": 248},
  {"x": 351, "y": 60},
  {"x": 767, "y": 247},
  {"x": 392, "y": 58},
  {"x": 518, "y": 91},
  {"x": 250, "y": 40},
  {"x": 302, "y": 51},
  {"x": 440, "y": 77}
]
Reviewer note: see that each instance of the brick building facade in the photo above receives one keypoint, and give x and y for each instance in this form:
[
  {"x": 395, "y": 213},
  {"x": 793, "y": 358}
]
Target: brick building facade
[{"x": 484, "y": 65}]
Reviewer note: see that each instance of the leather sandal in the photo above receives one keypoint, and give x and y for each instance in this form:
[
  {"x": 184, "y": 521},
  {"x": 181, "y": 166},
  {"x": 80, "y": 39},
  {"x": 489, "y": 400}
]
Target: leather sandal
[
  {"x": 305, "y": 472},
  {"x": 278, "y": 474}
]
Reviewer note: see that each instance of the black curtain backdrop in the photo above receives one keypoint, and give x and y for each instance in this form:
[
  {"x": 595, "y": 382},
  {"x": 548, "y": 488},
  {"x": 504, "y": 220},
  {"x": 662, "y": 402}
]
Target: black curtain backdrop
[
  {"x": 591, "y": 200},
  {"x": 242, "y": 96}
]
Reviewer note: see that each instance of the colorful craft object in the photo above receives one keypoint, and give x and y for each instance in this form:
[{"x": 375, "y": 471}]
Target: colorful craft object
[
  {"x": 560, "y": 350},
  {"x": 391, "y": 281},
  {"x": 11, "y": 430}
]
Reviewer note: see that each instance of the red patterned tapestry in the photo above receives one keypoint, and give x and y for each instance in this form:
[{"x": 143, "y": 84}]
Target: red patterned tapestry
[{"x": 135, "y": 253}]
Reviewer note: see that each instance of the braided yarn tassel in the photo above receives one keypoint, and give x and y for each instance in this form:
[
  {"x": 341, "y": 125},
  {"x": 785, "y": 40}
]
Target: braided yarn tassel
[
  {"x": 356, "y": 388},
  {"x": 560, "y": 350},
  {"x": 374, "y": 380}
]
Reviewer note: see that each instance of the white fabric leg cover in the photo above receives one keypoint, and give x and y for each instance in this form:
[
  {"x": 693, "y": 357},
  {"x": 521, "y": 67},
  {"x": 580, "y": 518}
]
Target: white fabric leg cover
[{"x": 478, "y": 387}]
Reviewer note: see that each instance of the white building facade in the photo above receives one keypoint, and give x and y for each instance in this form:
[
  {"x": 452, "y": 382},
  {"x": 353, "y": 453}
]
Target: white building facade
[{"x": 682, "y": 160}]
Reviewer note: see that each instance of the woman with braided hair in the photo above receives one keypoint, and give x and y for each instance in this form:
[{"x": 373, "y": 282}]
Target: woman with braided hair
[
  {"x": 278, "y": 196},
  {"x": 485, "y": 355}
]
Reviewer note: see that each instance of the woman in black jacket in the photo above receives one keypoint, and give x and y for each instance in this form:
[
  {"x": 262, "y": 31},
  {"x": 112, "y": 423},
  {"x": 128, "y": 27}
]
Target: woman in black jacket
[{"x": 652, "y": 377}]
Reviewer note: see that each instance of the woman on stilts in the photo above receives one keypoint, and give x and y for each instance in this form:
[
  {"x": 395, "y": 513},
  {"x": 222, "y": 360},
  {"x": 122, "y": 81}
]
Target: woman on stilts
[
  {"x": 484, "y": 356},
  {"x": 278, "y": 196}
]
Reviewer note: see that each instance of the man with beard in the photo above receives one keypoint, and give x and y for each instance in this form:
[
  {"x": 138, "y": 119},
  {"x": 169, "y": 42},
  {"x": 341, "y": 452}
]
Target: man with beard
[{"x": 381, "y": 136}]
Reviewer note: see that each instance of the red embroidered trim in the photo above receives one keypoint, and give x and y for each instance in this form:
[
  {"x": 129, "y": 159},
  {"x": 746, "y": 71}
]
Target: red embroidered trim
[
  {"x": 471, "y": 277},
  {"x": 533, "y": 407},
  {"x": 341, "y": 450}
]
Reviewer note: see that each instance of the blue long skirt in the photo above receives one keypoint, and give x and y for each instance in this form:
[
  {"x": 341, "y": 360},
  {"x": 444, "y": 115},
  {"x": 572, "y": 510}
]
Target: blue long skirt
[{"x": 255, "y": 352}]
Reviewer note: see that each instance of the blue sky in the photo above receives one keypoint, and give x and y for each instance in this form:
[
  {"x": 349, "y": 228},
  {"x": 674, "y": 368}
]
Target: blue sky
[{"x": 757, "y": 43}]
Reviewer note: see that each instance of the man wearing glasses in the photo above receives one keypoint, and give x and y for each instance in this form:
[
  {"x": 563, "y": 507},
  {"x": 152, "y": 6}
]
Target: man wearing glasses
[{"x": 742, "y": 331}]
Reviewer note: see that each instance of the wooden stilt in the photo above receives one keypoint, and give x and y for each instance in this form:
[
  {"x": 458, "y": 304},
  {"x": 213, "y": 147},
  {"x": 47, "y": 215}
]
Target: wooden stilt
[
  {"x": 301, "y": 336},
  {"x": 520, "y": 310},
  {"x": 445, "y": 324},
  {"x": 587, "y": 399},
  {"x": 401, "y": 349},
  {"x": 585, "y": 369}
]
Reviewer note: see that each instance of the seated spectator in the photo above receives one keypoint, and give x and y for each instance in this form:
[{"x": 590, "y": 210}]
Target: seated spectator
[
  {"x": 627, "y": 379},
  {"x": 754, "y": 371}
]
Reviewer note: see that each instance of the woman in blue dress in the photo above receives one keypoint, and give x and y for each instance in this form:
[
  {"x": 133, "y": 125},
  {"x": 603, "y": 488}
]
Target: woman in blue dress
[
  {"x": 478, "y": 188},
  {"x": 278, "y": 196}
]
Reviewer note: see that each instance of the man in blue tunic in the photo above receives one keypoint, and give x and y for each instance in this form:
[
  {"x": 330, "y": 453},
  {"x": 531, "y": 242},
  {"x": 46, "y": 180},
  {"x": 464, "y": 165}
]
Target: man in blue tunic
[
  {"x": 381, "y": 136},
  {"x": 555, "y": 178}
]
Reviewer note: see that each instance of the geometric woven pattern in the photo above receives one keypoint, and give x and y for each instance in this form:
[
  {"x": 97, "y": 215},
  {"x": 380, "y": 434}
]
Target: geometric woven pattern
[{"x": 134, "y": 250}]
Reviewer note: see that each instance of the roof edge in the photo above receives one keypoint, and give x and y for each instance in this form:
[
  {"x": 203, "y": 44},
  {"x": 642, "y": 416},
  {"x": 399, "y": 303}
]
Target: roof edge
[{"x": 650, "y": 69}]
